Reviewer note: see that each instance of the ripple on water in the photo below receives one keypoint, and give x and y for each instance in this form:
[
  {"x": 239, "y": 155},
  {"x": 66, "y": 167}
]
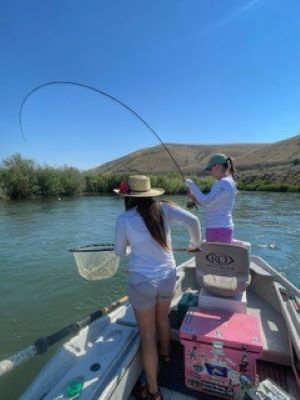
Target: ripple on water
[{"x": 41, "y": 290}]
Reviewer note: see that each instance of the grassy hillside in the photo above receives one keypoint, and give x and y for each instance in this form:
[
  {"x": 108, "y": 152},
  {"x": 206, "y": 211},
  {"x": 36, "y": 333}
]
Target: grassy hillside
[
  {"x": 278, "y": 162},
  {"x": 190, "y": 158},
  {"x": 269, "y": 163}
]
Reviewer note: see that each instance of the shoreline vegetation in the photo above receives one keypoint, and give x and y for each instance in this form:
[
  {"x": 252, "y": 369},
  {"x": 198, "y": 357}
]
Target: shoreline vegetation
[{"x": 22, "y": 178}]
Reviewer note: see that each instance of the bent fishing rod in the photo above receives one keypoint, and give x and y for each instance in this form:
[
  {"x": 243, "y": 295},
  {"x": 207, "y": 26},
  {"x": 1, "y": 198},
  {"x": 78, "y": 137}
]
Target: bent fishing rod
[{"x": 108, "y": 96}]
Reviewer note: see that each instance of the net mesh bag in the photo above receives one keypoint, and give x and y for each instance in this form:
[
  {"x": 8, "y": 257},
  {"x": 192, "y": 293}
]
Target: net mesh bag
[{"x": 96, "y": 262}]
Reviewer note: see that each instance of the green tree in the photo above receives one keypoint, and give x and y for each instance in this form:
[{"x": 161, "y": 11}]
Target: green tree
[
  {"x": 72, "y": 181},
  {"x": 95, "y": 183},
  {"x": 49, "y": 181},
  {"x": 19, "y": 177}
]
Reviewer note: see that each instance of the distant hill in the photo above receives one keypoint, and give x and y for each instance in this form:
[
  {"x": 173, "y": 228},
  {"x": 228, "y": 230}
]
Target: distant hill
[{"x": 277, "y": 162}]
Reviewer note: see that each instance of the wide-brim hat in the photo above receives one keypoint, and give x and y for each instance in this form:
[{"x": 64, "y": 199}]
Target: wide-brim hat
[{"x": 138, "y": 186}]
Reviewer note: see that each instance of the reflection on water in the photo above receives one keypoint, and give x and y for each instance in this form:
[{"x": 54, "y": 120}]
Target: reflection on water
[{"x": 41, "y": 290}]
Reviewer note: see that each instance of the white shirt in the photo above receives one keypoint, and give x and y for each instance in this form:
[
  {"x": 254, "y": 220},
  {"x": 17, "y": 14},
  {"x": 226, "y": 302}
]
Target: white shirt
[
  {"x": 218, "y": 203},
  {"x": 148, "y": 257}
]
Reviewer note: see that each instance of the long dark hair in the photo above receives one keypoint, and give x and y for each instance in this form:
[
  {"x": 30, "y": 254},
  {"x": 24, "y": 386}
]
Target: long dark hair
[
  {"x": 229, "y": 165},
  {"x": 150, "y": 211}
]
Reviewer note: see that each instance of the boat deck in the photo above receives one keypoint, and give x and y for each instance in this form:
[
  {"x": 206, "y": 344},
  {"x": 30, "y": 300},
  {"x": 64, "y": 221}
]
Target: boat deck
[
  {"x": 171, "y": 377},
  {"x": 275, "y": 363},
  {"x": 114, "y": 343}
]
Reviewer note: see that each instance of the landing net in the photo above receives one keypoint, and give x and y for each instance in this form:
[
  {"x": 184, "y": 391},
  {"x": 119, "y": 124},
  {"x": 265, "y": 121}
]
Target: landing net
[{"x": 96, "y": 262}]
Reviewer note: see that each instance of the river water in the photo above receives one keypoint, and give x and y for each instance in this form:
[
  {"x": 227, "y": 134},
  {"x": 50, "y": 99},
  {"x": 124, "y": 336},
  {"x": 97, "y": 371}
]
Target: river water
[{"x": 41, "y": 290}]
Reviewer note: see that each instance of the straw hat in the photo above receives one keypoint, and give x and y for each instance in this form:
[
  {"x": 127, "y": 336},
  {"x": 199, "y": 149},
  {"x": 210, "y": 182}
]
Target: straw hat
[{"x": 138, "y": 186}]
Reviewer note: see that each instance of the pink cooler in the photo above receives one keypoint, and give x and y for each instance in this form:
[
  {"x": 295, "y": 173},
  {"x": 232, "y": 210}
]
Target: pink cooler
[{"x": 220, "y": 351}]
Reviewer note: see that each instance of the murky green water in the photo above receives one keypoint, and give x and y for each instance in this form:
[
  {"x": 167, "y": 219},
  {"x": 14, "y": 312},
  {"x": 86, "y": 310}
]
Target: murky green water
[{"x": 41, "y": 290}]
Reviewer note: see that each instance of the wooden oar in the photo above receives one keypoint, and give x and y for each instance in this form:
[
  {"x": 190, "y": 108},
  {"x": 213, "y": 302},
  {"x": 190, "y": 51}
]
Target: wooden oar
[{"x": 42, "y": 344}]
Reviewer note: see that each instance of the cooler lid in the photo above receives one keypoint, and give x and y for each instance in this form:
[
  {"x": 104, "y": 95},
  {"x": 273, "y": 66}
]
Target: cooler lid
[{"x": 234, "y": 329}]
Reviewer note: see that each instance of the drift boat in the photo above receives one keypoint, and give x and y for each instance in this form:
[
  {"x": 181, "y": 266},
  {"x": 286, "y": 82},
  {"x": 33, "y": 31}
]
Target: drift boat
[{"x": 103, "y": 360}]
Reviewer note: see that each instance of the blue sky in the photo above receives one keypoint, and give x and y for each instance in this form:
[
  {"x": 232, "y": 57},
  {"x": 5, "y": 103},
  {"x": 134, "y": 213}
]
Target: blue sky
[{"x": 198, "y": 71}]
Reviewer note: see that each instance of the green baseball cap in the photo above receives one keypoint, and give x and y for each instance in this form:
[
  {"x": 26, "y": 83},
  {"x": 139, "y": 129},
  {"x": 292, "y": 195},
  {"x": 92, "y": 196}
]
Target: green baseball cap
[{"x": 216, "y": 159}]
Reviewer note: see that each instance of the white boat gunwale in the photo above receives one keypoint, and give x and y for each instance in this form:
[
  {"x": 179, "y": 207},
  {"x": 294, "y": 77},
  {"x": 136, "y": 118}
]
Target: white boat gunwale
[{"x": 119, "y": 384}]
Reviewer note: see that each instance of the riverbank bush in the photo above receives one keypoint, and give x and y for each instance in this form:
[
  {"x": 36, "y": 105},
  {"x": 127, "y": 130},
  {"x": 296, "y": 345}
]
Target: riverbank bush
[
  {"x": 18, "y": 177},
  {"x": 261, "y": 186},
  {"x": 22, "y": 178}
]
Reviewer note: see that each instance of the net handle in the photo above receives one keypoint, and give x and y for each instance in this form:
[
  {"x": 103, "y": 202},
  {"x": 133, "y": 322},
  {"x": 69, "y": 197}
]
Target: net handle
[
  {"x": 107, "y": 247},
  {"x": 91, "y": 248}
]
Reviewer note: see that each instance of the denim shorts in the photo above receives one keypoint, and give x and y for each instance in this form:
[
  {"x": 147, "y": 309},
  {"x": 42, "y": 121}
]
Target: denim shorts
[{"x": 143, "y": 294}]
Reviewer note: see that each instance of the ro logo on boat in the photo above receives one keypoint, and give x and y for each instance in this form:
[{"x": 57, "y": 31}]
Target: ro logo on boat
[{"x": 219, "y": 259}]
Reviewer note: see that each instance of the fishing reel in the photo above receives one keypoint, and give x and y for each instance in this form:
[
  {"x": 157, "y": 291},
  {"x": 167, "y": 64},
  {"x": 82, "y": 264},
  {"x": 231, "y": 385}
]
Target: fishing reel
[{"x": 191, "y": 204}]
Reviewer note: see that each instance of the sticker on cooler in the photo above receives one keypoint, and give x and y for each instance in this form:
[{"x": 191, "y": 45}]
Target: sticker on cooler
[{"x": 226, "y": 367}]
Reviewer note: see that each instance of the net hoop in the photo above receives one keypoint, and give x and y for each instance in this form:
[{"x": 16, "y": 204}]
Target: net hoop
[{"x": 96, "y": 262}]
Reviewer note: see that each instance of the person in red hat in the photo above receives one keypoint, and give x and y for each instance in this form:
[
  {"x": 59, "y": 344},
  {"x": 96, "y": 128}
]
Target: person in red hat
[{"x": 145, "y": 226}]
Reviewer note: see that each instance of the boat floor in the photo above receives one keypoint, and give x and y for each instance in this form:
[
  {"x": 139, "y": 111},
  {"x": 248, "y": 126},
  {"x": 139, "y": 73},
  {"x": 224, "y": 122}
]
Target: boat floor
[{"x": 171, "y": 378}]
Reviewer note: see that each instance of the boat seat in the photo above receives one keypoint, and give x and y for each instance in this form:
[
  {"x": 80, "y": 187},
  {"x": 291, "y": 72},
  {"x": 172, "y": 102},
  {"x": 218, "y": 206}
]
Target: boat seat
[
  {"x": 223, "y": 269},
  {"x": 210, "y": 302}
]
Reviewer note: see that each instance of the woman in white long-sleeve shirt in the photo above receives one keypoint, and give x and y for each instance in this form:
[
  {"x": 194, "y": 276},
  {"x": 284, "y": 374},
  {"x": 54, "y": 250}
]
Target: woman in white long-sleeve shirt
[
  {"x": 219, "y": 202},
  {"x": 145, "y": 227}
]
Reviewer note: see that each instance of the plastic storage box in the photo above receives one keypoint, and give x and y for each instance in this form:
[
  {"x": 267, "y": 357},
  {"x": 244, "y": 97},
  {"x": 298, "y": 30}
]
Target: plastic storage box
[{"x": 220, "y": 351}]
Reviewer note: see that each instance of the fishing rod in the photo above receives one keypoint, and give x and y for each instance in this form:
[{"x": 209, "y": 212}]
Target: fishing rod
[
  {"x": 190, "y": 204},
  {"x": 107, "y": 95}
]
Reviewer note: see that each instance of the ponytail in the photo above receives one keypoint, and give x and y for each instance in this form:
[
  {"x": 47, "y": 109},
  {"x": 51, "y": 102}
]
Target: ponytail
[{"x": 230, "y": 167}]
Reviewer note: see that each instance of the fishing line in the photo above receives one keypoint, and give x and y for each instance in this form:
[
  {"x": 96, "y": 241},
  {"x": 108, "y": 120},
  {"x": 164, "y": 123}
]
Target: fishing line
[{"x": 121, "y": 103}]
